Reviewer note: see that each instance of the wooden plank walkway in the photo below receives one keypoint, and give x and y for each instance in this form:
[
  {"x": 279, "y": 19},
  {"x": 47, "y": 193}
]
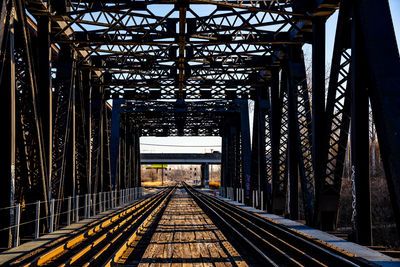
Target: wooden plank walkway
[{"x": 185, "y": 236}]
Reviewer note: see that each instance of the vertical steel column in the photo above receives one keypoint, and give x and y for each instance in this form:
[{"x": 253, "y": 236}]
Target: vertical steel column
[
  {"x": 279, "y": 145},
  {"x": 114, "y": 140},
  {"x": 45, "y": 86},
  {"x": 292, "y": 156},
  {"x": 74, "y": 138},
  {"x": 300, "y": 139},
  {"x": 128, "y": 168},
  {"x": 64, "y": 84},
  {"x": 323, "y": 217},
  {"x": 264, "y": 107},
  {"x": 360, "y": 138},
  {"x": 275, "y": 132},
  {"x": 255, "y": 149},
  {"x": 134, "y": 161},
  {"x": 206, "y": 175},
  {"x": 118, "y": 183},
  {"x": 245, "y": 149},
  {"x": 337, "y": 117},
  {"x": 83, "y": 134},
  {"x": 89, "y": 134},
  {"x": 383, "y": 66},
  {"x": 379, "y": 58},
  {"x": 232, "y": 148},
  {"x": 137, "y": 151},
  {"x": 30, "y": 114},
  {"x": 101, "y": 130},
  {"x": 202, "y": 175},
  {"x": 12, "y": 140},
  {"x": 238, "y": 182},
  {"x": 224, "y": 158},
  {"x": 259, "y": 175},
  {"x": 107, "y": 154},
  {"x": 96, "y": 119},
  {"x": 124, "y": 155}
]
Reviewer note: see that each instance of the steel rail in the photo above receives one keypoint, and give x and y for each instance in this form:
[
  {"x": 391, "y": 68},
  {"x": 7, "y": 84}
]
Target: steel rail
[
  {"x": 85, "y": 230},
  {"x": 79, "y": 246},
  {"x": 116, "y": 231},
  {"x": 129, "y": 243},
  {"x": 282, "y": 245},
  {"x": 115, "y": 238},
  {"x": 57, "y": 249}
]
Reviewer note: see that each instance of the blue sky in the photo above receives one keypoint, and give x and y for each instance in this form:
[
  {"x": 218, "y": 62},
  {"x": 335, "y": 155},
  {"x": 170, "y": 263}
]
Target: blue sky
[{"x": 182, "y": 144}]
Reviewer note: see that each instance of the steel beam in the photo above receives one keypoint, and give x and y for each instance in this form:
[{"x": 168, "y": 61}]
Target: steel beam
[
  {"x": 383, "y": 65},
  {"x": 255, "y": 150},
  {"x": 64, "y": 83},
  {"x": 45, "y": 85},
  {"x": 206, "y": 175},
  {"x": 300, "y": 140},
  {"x": 137, "y": 157},
  {"x": 261, "y": 104},
  {"x": 323, "y": 217},
  {"x": 292, "y": 145},
  {"x": 115, "y": 140},
  {"x": 360, "y": 139},
  {"x": 245, "y": 149},
  {"x": 225, "y": 181},
  {"x": 337, "y": 114},
  {"x": 232, "y": 153},
  {"x": 33, "y": 136},
  {"x": 280, "y": 131},
  {"x": 275, "y": 134},
  {"x": 10, "y": 82}
]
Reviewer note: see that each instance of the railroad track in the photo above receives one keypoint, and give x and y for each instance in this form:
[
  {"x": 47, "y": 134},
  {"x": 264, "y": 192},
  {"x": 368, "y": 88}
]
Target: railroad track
[
  {"x": 269, "y": 244},
  {"x": 123, "y": 236},
  {"x": 102, "y": 242}
]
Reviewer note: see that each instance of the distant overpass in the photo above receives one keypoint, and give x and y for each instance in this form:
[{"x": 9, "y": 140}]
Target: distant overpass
[
  {"x": 184, "y": 158},
  {"x": 180, "y": 158}
]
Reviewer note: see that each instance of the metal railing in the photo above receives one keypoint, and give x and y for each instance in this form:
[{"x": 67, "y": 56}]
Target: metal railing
[
  {"x": 36, "y": 221},
  {"x": 237, "y": 194}
]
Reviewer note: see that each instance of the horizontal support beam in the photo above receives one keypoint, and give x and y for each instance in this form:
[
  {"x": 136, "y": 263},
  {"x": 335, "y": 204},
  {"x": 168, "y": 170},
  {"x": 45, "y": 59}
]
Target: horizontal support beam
[{"x": 179, "y": 161}]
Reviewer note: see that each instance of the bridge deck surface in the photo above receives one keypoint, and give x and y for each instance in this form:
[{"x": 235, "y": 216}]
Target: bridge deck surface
[
  {"x": 182, "y": 234},
  {"x": 350, "y": 248},
  {"x": 185, "y": 236}
]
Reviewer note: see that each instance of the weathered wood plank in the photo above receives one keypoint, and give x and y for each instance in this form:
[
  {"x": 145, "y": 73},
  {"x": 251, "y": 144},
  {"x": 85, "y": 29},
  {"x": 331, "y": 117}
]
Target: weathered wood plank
[{"x": 186, "y": 236}]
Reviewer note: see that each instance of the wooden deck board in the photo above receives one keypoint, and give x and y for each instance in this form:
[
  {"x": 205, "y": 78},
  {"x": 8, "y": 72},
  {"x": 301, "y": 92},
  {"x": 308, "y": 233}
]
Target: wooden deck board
[{"x": 186, "y": 236}]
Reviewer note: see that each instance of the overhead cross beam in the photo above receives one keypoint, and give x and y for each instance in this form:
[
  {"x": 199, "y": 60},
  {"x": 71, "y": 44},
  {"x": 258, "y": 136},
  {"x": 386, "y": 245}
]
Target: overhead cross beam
[{"x": 232, "y": 41}]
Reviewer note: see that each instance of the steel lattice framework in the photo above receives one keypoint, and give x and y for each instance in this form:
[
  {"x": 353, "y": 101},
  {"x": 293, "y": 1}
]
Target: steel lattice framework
[
  {"x": 164, "y": 49},
  {"x": 86, "y": 79}
]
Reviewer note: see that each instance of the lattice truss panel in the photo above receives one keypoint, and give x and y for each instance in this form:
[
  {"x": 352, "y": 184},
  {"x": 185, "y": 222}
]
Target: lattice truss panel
[
  {"x": 180, "y": 49},
  {"x": 339, "y": 129},
  {"x": 281, "y": 186},
  {"x": 27, "y": 152},
  {"x": 163, "y": 118},
  {"x": 304, "y": 129}
]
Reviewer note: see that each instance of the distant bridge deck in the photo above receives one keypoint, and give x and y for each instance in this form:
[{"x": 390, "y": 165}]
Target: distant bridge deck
[{"x": 180, "y": 158}]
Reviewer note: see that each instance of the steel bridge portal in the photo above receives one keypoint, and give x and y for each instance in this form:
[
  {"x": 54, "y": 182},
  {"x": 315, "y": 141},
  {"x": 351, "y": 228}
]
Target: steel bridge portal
[{"x": 83, "y": 80}]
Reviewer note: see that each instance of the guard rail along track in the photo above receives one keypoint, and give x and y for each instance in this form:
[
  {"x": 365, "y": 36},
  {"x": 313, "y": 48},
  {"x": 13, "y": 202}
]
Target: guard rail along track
[
  {"x": 103, "y": 241},
  {"x": 270, "y": 244}
]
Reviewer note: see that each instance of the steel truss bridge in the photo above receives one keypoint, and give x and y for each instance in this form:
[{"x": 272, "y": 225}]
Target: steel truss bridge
[{"x": 82, "y": 80}]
